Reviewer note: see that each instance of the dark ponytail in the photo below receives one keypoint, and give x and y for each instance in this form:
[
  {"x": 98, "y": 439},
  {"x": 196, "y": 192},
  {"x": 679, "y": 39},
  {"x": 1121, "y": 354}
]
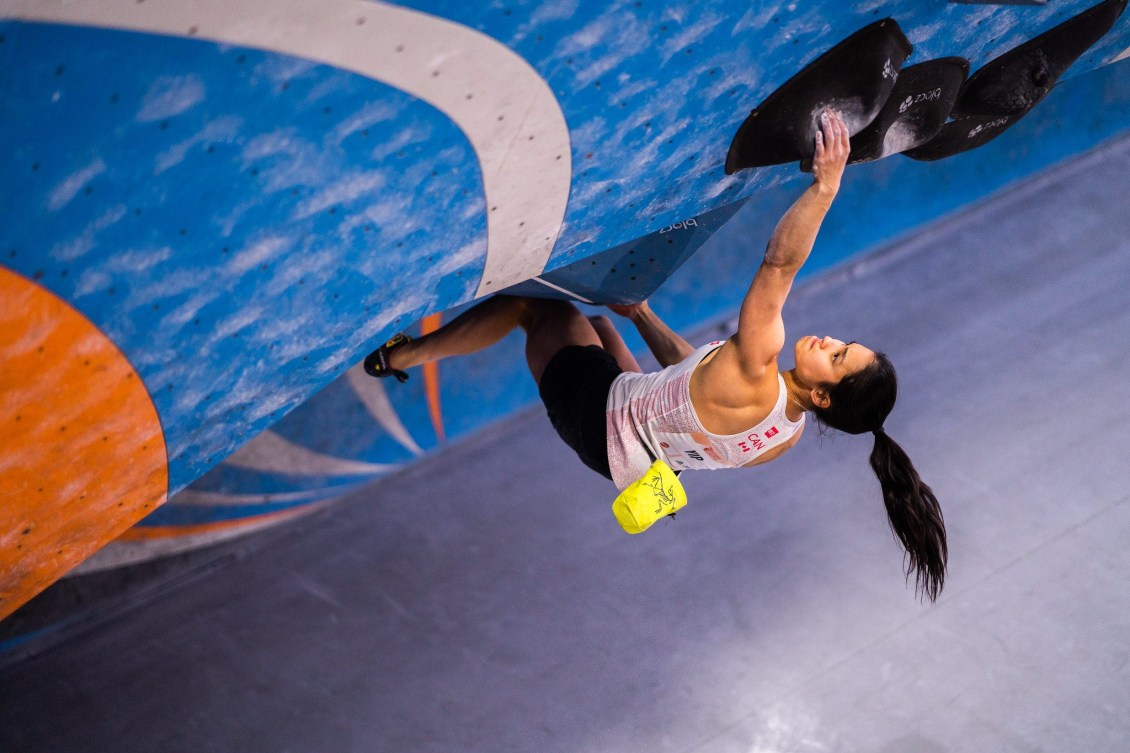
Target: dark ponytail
[
  {"x": 860, "y": 403},
  {"x": 914, "y": 515}
]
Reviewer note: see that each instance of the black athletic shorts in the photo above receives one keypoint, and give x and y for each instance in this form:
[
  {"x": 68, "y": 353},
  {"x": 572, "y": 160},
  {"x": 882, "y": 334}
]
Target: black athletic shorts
[{"x": 574, "y": 389}]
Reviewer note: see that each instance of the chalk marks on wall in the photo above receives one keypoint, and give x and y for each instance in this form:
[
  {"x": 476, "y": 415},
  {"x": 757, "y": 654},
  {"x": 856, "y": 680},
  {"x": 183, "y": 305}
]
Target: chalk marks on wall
[
  {"x": 502, "y": 105},
  {"x": 82, "y": 455}
]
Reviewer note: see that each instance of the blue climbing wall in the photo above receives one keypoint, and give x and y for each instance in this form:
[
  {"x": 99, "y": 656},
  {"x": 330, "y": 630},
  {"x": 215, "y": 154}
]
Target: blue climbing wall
[{"x": 238, "y": 205}]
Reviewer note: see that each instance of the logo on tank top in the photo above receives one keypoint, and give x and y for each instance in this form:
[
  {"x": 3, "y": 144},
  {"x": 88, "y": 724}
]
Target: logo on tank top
[
  {"x": 754, "y": 442},
  {"x": 772, "y": 432},
  {"x": 693, "y": 455}
]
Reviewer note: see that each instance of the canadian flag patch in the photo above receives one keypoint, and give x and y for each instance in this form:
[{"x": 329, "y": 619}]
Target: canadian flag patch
[{"x": 772, "y": 432}]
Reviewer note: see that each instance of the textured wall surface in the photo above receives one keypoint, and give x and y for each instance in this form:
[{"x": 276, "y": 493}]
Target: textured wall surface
[{"x": 244, "y": 198}]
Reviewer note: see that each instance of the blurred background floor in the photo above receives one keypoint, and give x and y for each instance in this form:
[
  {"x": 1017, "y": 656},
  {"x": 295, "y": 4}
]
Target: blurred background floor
[{"x": 485, "y": 599}]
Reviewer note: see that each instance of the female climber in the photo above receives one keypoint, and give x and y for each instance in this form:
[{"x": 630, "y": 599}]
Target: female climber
[{"x": 724, "y": 405}]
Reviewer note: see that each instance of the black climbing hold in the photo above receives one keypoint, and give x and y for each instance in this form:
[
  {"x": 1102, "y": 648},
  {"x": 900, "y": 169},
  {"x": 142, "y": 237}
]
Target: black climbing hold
[
  {"x": 1008, "y": 87},
  {"x": 915, "y": 112},
  {"x": 962, "y": 135},
  {"x": 1015, "y": 82},
  {"x": 855, "y": 78}
]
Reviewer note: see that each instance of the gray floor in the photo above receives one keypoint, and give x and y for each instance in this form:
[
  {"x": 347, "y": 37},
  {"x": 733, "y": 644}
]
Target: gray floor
[{"x": 485, "y": 600}]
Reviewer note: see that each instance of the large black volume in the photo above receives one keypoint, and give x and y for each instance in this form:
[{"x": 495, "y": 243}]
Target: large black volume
[{"x": 855, "y": 78}]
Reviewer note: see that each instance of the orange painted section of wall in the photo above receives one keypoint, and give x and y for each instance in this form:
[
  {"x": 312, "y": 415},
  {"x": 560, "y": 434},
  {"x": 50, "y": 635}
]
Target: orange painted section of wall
[
  {"x": 430, "y": 324},
  {"x": 82, "y": 453}
]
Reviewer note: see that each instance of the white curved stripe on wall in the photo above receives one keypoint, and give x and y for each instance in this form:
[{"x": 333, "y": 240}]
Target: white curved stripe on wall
[
  {"x": 272, "y": 453},
  {"x": 372, "y": 395},
  {"x": 503, "y": 106},
  {"x": 121, "y": 553},
  {"x": 193, "y": 498},
  {"x": 560, "y": 289}
]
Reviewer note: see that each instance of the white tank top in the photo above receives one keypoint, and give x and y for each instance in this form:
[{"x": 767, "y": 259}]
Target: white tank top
[{"x": 650, "y": 416}]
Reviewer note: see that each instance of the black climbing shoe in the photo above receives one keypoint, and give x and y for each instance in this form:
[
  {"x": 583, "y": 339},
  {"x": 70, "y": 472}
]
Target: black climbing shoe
[{"x": 376, "y": 363}]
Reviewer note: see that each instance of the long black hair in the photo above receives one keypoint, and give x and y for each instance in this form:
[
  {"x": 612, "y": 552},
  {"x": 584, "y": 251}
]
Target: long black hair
[{"x": 860, "y": 403}]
